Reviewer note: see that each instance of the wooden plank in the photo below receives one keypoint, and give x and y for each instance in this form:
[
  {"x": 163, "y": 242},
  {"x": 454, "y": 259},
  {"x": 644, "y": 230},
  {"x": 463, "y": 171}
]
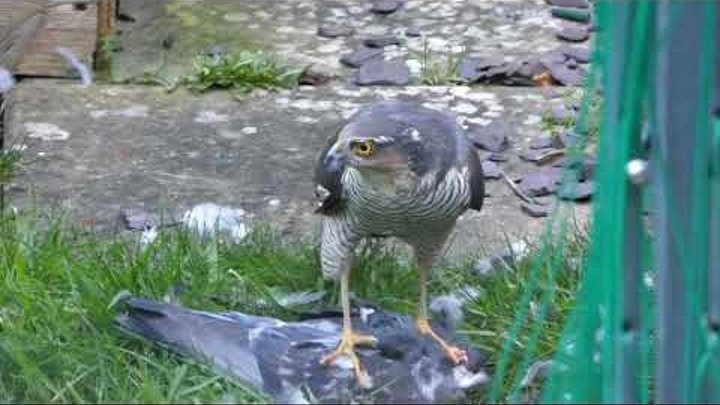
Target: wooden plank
[
  {"x": 14, "y": 10},
  {"x": 51, "y": 24},
  {"x": 19, "y": 23},
  {"x": 14, "y": 45},
  {"x": 107, "y": 10}
]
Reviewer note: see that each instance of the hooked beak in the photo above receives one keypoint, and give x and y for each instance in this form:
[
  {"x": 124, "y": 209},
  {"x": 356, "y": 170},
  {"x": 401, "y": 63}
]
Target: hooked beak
[{"x": 336, "y": 157}]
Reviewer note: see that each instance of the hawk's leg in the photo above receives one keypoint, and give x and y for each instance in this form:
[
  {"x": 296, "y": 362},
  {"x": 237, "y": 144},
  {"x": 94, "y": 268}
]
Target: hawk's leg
[
  {"x": 456, "y": 355},
  {"x": 349, "y": 338}
]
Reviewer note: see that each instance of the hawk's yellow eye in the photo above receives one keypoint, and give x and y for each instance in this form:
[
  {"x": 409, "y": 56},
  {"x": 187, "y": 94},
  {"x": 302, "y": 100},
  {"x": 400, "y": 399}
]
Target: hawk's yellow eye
[{"x": 364, "y": 148}]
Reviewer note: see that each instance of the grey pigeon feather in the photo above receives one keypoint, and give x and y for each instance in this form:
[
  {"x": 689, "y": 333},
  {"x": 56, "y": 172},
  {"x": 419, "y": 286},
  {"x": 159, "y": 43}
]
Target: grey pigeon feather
[{"x": 281, "y": 359}]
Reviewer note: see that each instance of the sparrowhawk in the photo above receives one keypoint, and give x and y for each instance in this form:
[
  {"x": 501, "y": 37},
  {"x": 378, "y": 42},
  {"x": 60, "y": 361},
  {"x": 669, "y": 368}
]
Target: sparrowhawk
[{"x": 395, "y": 169}]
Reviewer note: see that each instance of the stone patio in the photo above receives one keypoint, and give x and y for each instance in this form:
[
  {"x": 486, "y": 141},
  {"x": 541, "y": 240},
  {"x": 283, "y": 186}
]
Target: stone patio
[{"x": 100, "y": 149}]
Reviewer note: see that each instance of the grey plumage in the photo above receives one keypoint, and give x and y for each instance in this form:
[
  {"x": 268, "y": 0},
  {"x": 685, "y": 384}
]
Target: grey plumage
[
  {"x": 396, "y": 169},
  {"x": 281, "y": 358},
  {"x": 444, "y": 180}
]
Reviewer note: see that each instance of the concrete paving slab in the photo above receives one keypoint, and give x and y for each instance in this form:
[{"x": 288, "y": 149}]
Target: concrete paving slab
[{"x": 100, "y": 149}]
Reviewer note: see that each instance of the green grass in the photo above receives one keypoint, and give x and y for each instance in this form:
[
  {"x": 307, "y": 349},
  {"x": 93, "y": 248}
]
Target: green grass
[
  {"x": 243, "y": 71},
  {"x": 239, "y": 72},
  {"x": 9, "y": 163},
  {"x": 558, "y": 127},
  {"x": 58, "y": 342},
  {"x": 491, "y": 316},
  {"x": 438, "y": 69},
  {"x": 107, "y": 45}
]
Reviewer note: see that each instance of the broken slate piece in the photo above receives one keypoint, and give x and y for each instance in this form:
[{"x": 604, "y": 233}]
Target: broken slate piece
[
  {"x": 578, "y": 191},
  {"x": 499, "y": 70},
  {"x": 545, "y": 142},
  {"x": 571, "y": 139},
  {"x": 381, "y": 41},
  {"x": 588, "y": 171},
  {"x": 474, "y": 68},
  {"x": 385, "y": 6},
  {"x": 138, "y": 220},
  {"x": 313, "y": 78},
  {"x": 566, "y": 76},
  {"x": 334, "y": 31},
  {"x": 535, "y": 210},
  {"x": 383, "y": 73},
  {"x": 497, "y": 157},
  {"x": 491, "y": 171},
  {"x": 512, "y": 68},
  {"x": 412, "y": 32},
  {"x": 553, "y": 58},
  {"x": 561, "y": 113},
  {"x": 581, "y": 54},
  {"x": 569, "y": 3},
  {"x": 573, "y": 34},
  {"x": 361, "y": 56},
  {"x": 531, "y": 68},
  {"x": 538, "y": 184},
  {"x": 536, "y": 155},
  {"x": 492, "y": 137},
  {"x": 468, "y": 69}
]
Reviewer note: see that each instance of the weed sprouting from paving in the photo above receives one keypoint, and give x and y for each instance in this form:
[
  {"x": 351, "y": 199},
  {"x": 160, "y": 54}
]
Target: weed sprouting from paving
[
  {"x": 558, "y": 125},
  {"x": 242, "y": 71},
  {"x": 10, "y": 160},
  {"x": 439, "y": 69}
]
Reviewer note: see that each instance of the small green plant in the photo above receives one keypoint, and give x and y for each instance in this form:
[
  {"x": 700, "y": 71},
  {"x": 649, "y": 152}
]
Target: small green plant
[
  {"x": 9, "y": 163},
  {"x": 241, "y": 71},
  {"x": 107, "y": 45},
  {"x": 557, "y": 126},
  {"x": 594, "y": 118},
  {"x": 437, "y": 71}
]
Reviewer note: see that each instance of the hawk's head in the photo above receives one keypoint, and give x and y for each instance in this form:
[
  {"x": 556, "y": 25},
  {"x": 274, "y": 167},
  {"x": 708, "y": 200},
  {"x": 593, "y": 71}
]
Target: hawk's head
[{"x": 385, "y": 138}]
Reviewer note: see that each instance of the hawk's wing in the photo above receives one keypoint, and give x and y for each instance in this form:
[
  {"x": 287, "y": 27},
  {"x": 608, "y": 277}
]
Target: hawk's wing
[
  {"x": 328, "y": 185},
  {"x": 477, "y": 179}
]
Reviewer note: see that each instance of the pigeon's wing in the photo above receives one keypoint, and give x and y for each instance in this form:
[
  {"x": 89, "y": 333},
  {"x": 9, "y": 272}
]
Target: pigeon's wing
[
  {"x": 477, "y": 180},
  {"x": 328, "y": 185},
  {"x": 199, "y": 334}
]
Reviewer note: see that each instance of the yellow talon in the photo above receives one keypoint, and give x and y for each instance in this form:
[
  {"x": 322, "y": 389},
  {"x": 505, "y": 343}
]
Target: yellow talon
[
  {"x": 347, "y": 348},
  {"x": 456, "y": 354}
]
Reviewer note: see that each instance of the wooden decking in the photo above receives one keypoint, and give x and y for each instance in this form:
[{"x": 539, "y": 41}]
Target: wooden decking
[{"x": 30, "y": 30}]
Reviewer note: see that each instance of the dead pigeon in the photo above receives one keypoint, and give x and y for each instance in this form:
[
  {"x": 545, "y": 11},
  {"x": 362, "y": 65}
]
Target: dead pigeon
[{"x": 282, "y": 359}]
